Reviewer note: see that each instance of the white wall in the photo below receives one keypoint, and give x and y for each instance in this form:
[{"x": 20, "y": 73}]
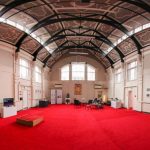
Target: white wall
[
  {"x": 88, "y": 91},
  {"x": 36, "y": 91},
  {"x": 10, "y": 83},
  {"x": 140, "y": 88},
  {"x": 6, "y": 72},
  {"x": 146, "y": 80}
]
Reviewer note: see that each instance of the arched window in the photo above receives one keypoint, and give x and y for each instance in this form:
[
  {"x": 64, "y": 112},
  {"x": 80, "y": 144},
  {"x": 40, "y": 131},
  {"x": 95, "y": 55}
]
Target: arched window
[
  {"x": 78, "y": 71},
  {"x": 65, "y": 72},
  {"x": 90, "y": 73}
]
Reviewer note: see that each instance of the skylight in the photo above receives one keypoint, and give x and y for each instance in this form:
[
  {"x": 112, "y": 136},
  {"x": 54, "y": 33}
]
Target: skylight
[
  {"x": 23, "y": 28},
  {"x": 124, "y": 37},
  {"x": 50, "y": 50}
]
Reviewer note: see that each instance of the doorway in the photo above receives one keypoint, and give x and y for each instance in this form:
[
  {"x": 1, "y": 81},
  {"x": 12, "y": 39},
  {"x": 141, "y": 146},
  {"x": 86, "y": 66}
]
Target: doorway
[
  {"x": 130, "y": 99},
  {"x": 25, "y": 99}
]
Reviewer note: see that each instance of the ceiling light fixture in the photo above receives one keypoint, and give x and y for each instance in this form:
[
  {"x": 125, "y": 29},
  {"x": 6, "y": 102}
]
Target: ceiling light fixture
[{"x": 78, "y": 53}]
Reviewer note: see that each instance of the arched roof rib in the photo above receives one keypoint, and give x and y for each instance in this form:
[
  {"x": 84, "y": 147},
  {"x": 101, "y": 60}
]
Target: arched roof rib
[
  {"x": 49, "y": 20},
  {"x": 91, "y": 14},
  {"x": 99, "y": 36}
]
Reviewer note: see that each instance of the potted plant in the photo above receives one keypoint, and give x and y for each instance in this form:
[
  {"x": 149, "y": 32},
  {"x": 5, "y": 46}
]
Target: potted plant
[{"x": 67, "y": 95}]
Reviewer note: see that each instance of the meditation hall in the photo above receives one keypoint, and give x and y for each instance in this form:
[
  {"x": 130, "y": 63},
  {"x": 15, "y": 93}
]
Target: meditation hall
[{"x": 74, "y": 74}]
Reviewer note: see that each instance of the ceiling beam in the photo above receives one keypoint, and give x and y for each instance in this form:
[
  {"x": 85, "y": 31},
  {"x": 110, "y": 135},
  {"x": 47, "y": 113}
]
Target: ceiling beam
[
  {"x": 58, "y": 37},
  {"x": 50, "y": 20},
  {"x": 61, "y": 48},
  {"x": 102, "y": 52},
  {"x": 48, "y": 57},
  {"x": 138, "y": 3},
  {"x": 13, "y": 5},
  {"x": 91, "y": 55},
  {"x": 16, "y": 3},
  {"x": 100, "y": 37},
  {"x": 45, "y": 44}
]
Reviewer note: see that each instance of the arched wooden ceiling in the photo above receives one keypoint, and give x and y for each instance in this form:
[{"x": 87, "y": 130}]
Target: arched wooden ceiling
[{"x": 67, "y": 25}]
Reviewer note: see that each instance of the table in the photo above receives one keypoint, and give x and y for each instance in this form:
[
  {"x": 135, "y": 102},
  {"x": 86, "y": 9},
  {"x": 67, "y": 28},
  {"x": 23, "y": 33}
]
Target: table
[
  {"x": 9, "y": 111},
  {"x": 116, "y": 104}
]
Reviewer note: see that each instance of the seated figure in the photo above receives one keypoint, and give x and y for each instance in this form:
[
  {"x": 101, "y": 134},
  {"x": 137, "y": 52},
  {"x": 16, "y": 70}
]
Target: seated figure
[
  {"x": 95, "y": 100},
  {"x": 98, "y": 103}
]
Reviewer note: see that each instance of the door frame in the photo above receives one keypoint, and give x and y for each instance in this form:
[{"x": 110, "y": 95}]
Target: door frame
[
  {"x": 130, "y": 99},
  {"x": 126, "y": 101},
  {"x": 23, "y": 107}
]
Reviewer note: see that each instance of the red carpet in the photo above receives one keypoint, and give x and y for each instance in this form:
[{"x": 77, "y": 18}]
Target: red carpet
[{"x": 70, "y": 128}]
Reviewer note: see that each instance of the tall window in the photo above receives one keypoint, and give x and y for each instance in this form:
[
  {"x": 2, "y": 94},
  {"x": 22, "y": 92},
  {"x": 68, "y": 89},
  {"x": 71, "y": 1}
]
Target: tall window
[
  {"x": 90, "y": 73},
  {"x": 78, "y": 71},
  {"x": 65, "y": 72},
  {"x": 118, "y": 75},
  {"x": 24, "y": 69},
  {"x": 38, "y": 75},
  {"x": 132, "y": 71}
]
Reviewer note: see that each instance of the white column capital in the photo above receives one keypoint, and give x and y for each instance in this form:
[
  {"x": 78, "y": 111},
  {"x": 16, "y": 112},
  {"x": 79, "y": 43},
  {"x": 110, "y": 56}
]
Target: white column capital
[
  {"x": 122, "y": 65},
  {"x": 139, "y": 58}
]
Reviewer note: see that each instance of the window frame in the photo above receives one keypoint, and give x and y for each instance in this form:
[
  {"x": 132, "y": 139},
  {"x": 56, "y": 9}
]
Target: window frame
[
  {"x": 38, "y": 72},
  {"x": 68, "y": 72},
  {"x": 84, "y": 76},
  {"x": 87, "y": 72},
  {"x": 118, "y": 72},
  {"x": 135, "y": 68},
  {"x": 78, "y": 71},
  {"x": 27, "y": 68}
]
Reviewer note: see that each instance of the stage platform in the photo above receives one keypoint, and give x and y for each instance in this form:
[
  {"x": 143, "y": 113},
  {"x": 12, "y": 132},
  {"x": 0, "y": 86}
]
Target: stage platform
[{"x": 30, "y": 120}]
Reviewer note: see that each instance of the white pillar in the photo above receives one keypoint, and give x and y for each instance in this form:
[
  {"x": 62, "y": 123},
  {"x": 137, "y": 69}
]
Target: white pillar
[
  {"x": 85, "y": 75},
  {"x": 70, "y": 71},
  {"x": 123, "y": 80},
  {"x": 140, "y": 83},
  {"x": 17, "y": 92},
  {"x": 113, "y": 81},
  {"x": 33, "y": 102}
]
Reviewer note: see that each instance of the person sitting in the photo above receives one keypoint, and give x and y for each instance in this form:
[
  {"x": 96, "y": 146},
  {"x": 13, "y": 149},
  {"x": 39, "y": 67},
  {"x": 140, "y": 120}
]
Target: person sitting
[
  {"x": 98, "y": 103},
  {"x": 95, "y": 100}
]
